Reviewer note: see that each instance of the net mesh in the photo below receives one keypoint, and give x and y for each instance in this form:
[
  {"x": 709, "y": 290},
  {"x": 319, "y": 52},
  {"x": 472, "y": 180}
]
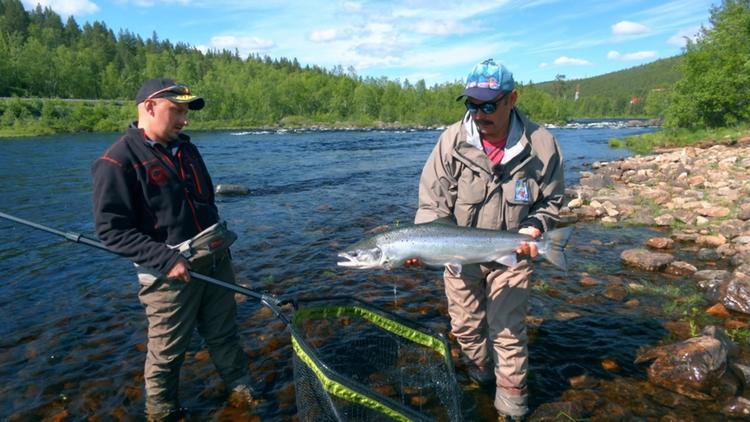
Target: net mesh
[{"x": 355, "y": 362}]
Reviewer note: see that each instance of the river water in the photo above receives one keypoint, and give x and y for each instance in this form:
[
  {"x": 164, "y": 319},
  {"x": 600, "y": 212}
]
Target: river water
[{"x": 72, "y": 336}]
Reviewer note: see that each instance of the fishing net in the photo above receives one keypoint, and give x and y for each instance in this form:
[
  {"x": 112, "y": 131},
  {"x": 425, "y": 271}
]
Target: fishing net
[{"x": 355, "y": 362}]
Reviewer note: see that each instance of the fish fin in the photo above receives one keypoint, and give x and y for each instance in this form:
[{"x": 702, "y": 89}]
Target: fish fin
[
  {"x": 555, "y": 252},
  {"x": 454, "y": 267},
  {"x": 508, "y": 260}
]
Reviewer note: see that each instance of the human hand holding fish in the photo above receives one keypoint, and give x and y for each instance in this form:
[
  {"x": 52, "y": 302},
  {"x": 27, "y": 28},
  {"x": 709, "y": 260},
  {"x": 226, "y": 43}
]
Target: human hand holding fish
[
  {"x": 529, "y": 248},
  {"x": 439, "y": 244}
]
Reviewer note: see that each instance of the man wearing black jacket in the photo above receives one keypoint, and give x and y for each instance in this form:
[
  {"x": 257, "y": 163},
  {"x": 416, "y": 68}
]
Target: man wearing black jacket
[{"x": 151, "y": 193}]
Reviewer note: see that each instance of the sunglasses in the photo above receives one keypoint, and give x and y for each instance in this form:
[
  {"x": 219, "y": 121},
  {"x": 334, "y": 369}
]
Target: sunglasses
[
  {"x": 487, "y": 108},
  {"x": 177, "y": 89}
]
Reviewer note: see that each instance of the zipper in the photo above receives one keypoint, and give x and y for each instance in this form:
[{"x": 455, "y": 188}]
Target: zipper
[
  {"x": 183, "y": 177},
  {"x": 195, "y": 180}
]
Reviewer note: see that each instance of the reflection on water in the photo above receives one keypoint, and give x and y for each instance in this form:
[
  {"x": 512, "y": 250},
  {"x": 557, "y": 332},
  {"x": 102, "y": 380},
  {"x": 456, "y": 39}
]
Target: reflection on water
[{"x": 72, "y": 340}]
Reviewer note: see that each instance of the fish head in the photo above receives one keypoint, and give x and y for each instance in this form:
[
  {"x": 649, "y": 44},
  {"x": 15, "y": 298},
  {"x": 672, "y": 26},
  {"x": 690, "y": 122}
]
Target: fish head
[{"x": 363, "y": 255}]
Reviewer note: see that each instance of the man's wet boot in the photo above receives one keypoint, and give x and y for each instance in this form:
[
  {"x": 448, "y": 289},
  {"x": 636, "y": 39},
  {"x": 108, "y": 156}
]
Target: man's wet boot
[
  {"x": 164, "y": 412},
  {"x": 510, "y": 408}
]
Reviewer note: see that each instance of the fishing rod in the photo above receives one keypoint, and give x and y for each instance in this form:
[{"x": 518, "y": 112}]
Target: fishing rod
[
  {"x": 355, "y": 319},
  {"x": 272, "y": 302}
]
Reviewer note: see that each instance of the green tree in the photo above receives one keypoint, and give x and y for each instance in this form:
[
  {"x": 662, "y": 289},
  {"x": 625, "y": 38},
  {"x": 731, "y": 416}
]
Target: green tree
[
  {"x": 71, "y": 32},
  {"x": 715, "y": 87},
  {"x": 657, "y": 102},
  {"x": 36, "y": 61},
  {"x": 5, "y": 65},
  {"x": 46, "y": 26},
  {"x": 15, "y": 18},
  {"x": 366, "y": 102}
]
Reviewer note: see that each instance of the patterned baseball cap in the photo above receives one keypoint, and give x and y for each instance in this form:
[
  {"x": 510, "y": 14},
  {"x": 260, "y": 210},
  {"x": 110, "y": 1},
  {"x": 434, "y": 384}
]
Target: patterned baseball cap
[{"x": 487, "y": 80}]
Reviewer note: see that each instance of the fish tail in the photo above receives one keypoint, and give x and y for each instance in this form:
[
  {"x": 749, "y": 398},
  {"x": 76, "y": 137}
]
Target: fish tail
[{"x": 554, "y": 252}]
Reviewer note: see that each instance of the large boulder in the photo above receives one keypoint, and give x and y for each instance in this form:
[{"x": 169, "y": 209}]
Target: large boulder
[
  {"x": 736, "y": 294},
  {"x": 690, "y": 367},
  {"x": 230, "y": 190},
  {"x": 646, "y": 260}
]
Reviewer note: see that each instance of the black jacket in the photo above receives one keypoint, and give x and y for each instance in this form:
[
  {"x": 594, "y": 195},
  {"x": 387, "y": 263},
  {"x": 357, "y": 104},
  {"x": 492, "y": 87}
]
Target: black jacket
[{"x": 144, "y": 198}]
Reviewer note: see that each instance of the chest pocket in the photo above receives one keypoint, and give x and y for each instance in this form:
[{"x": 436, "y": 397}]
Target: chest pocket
[
  {"x": 195, "y": 180},
  {"x": 470, "y": 196},
  {"x": 519, "y": 195}
]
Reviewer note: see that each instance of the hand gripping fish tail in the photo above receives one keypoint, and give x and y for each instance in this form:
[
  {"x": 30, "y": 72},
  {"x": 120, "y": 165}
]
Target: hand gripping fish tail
[{"x": 552, "y": 246}]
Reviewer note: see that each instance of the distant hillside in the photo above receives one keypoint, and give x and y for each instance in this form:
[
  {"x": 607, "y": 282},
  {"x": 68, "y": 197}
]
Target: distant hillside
[{"x": 635, "y": 81}]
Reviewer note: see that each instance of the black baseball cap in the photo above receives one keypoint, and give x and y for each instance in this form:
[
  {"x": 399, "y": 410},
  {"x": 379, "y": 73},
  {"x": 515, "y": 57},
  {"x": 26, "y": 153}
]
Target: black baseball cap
[{"x": 169, "y": 89}]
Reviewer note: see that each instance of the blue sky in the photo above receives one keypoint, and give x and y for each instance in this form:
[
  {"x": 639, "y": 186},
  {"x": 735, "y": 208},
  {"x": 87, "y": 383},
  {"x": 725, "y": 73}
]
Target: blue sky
[{"x": 435, "y": 40}]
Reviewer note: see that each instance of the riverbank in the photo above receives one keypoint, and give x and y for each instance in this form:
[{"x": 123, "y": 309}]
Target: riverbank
[
  {"x": 670, "y": 138},
  {"x": 29, "y": 117},
  {"x": 700, "y": 196},
  {"x": 697, "y": 201},
  {"x": 106, "y": 125}
]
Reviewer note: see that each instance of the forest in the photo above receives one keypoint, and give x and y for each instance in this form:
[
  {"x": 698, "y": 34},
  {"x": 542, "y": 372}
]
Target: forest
[{"x": 63, "y": 77}]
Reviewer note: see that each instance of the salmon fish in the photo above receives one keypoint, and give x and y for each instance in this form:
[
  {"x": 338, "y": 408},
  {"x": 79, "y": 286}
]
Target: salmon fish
[{"x": 441, "y": 244}]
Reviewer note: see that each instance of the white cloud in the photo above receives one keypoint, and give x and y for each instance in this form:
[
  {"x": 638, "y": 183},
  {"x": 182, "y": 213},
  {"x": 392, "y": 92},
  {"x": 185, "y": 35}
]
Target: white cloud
[
  {"x": 324, "y": 35},
  {"x": 628, "y": 28},
  {"x": 639, "y": 55},
  {"x": 543, "y": 65},
  {"x": 464, "y": 55},
  {"x": 430, "y": 27},
  {"x": 243, "y": 44},
  {"x": 679, "y": 39},
  {"x": 564, "y": 60},
  {"x": 65, "y": 7},
  {"x": 445, "y": 10}
]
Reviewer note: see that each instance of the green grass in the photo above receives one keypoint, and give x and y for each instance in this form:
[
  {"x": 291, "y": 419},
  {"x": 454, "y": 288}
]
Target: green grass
[
  {"x": 592, "y": 268},
  {"x": 648, "y": 204},
  {"x": 685, "y": 302},
  {"x": 268, "y": 281},
  {"x": 647, "y": 142},
  {"x": 741, "y": 336},
  {"x": 542, "y": 286}
]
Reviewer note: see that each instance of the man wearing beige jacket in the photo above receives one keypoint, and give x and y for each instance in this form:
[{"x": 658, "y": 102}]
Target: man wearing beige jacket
[{"x": 494, "y": 169}]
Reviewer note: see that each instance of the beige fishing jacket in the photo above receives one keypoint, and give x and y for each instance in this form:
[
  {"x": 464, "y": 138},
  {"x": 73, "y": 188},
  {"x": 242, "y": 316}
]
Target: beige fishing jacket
[{"x": 525, "y": 189}]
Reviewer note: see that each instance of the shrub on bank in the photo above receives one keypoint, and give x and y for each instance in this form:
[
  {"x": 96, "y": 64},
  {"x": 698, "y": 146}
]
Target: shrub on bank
[{"x": 22, "y": 117}]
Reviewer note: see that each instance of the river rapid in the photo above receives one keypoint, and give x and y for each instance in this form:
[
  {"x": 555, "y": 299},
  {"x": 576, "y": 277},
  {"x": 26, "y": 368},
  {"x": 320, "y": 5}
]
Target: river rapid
[{"x": 72, "y": 338}]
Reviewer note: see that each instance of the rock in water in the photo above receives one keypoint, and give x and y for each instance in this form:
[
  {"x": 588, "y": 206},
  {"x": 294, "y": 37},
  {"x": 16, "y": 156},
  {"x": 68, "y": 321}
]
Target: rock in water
[
  {"x": 690, "y": 367},
  {"x": 228, "y": 189}
]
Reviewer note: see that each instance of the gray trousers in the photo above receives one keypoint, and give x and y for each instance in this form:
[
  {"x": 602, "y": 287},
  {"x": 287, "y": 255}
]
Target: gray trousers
[{"x": 174, "y": 309}]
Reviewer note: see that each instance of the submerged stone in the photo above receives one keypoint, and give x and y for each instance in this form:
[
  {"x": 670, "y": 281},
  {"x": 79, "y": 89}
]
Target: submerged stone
[
  {"x": 646, "y": 260},
  {"x": 691, "y": 367},
  {"x": 736, "y": 407},
  {"x": 680, "y": 268}
]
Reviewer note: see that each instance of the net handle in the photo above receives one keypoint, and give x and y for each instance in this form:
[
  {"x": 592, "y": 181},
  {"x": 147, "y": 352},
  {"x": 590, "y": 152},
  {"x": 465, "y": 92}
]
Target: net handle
[{"x": 271, "y": 301}]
